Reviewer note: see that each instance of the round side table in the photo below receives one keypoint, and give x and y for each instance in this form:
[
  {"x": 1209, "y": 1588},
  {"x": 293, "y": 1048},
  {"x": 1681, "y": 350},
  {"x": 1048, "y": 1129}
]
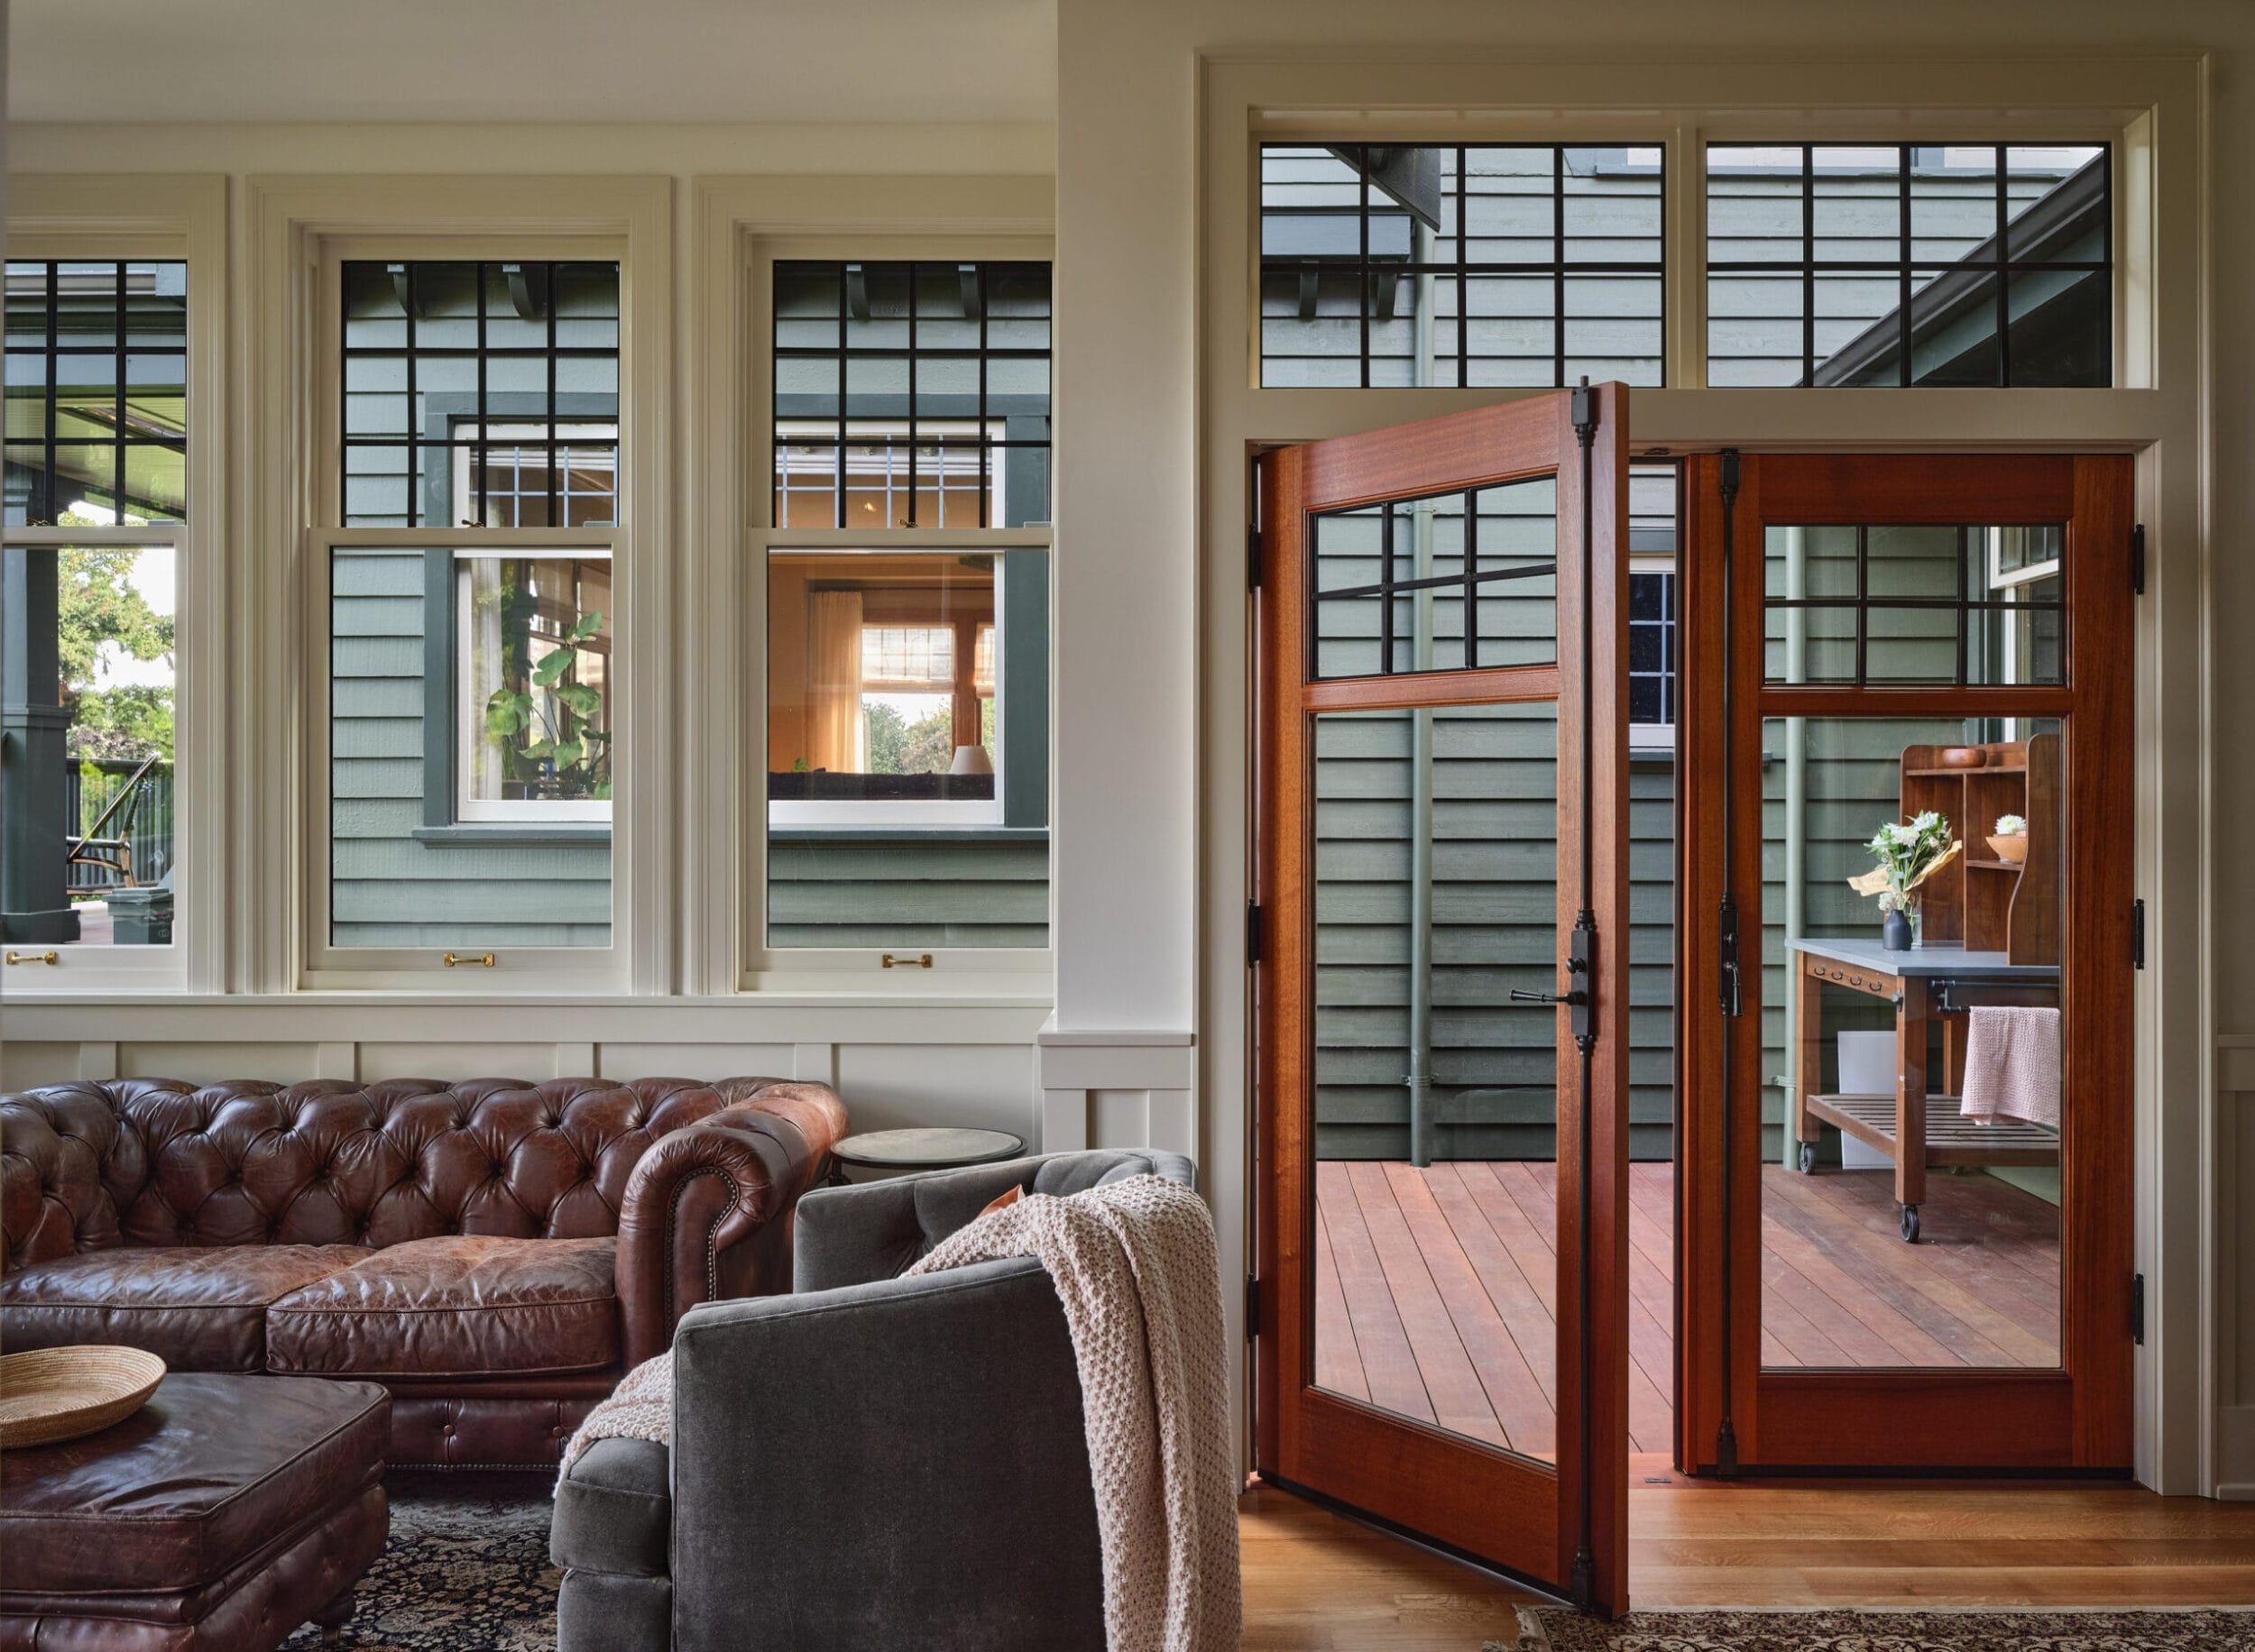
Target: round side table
[{"x": 920, "y": 1150}]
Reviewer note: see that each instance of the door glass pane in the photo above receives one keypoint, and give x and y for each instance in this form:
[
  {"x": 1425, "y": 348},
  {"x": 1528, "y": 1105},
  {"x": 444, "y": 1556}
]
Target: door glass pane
[
  {"x": 1392, "y": 581},
  {"x": 1435, "y": 1103},
  {"x": 1894, "y": 604},
  {"x": 1962, "y": 1028}
]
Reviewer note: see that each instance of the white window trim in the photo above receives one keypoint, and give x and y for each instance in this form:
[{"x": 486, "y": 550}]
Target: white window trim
[
  {"x": 745, "y": 227},
  {"x": 300, "y": 229},
  {"x": 514, "y": 434},
  {"x": 470, "y": 725},
  {"x": 184, "y": 219}
]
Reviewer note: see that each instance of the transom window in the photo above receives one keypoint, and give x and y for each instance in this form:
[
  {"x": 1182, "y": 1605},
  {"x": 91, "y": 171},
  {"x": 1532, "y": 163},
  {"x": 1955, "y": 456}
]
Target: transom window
[
  {"x": 1490, "y": 264},
  {"x": 97, "y": 389},
  {"x": 1898, "y": 264},
  {"x": 911, "y": 395},
  {"x": 481, "y": 395}
]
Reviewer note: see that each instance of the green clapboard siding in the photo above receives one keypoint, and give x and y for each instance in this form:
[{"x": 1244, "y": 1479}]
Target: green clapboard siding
[
  {"x": 869, "y": 892},
  {"x": 386, "y": 888}
]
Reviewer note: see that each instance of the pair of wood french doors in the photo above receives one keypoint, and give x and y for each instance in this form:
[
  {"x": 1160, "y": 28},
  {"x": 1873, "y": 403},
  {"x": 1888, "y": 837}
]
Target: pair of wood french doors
[
  {"x": 1875, "y": 1273},
  {"x": 1442, "y": 984},
  {"x": 1442, "y": 992}
]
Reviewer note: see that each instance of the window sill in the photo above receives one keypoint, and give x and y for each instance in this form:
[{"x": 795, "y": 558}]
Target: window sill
[
  {"x": 908, "y": 834},
  {"x": 499, "y": 834}
]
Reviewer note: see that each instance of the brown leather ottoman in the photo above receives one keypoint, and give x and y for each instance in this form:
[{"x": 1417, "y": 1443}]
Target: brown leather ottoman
[{"x": 225, "y": 1512}]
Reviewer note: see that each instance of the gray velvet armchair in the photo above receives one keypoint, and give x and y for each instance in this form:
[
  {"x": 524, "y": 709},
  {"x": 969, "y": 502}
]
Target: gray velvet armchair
[{"x": 869, "y": 1462}]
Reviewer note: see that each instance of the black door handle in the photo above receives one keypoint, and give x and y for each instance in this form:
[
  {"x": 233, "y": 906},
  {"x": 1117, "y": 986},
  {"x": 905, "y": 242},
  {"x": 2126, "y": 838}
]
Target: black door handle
[{"x": 1520, "y": 994}]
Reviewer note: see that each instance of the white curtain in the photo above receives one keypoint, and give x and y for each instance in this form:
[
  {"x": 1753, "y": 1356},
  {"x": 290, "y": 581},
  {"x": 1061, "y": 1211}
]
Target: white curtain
[{"x": 836, "y": 738}]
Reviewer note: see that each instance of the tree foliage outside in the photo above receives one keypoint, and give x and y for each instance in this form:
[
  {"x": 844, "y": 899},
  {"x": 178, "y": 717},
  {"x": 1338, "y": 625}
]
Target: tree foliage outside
[
  {"x": 898, "y": 747},
  {"x": 96, "y": 603}
]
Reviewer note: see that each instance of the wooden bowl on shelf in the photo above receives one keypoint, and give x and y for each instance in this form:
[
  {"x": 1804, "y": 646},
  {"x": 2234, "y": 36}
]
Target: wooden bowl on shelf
[
  {"x": 53, "y": 1394},
  {"x": 2011, "y": 851},
  {"x": 1961, "y": 757}
]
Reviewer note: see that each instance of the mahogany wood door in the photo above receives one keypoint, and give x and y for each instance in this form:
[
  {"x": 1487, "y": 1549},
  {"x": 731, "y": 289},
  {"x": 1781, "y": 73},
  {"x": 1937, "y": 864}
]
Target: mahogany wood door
[
  {"x": 1870, "y": 641},
  {"x": 1442, "y": 981}
]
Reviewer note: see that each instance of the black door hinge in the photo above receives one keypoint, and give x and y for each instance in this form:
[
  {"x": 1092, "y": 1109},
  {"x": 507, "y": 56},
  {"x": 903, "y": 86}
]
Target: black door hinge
[
  {"x": 2137, "y": 934},
  {"x": 1252, "y": 556},
  {"x": 1253, "y": 1309},
  {"x": 2137, "y": 559},
  {"x": 2137, "y": 1309},
  {"x": 1252, "y": 933}
]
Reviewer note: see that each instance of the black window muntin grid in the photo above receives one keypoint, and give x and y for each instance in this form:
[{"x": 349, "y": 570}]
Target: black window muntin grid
[
  {"x": 1462, "y": 269},
  {"x": 42, "y": 504},
  {"x": 482, "y": 416},
  {"x": 2001, "y": 266},
  {"x": 1662, "y": 625},
  {"x": 1964, "y": 605},
  {"x": 1469, "y": 581},
  {"x": 913, "y": 352}
]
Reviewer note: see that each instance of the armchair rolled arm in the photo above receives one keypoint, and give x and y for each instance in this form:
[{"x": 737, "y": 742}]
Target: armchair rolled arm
[
  {"x": 851, "y": 1467},
  {"x": 708, "y": 1210}
]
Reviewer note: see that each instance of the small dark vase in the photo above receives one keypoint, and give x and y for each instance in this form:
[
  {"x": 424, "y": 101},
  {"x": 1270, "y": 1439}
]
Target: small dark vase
[{"x": 1895, "y": 934}]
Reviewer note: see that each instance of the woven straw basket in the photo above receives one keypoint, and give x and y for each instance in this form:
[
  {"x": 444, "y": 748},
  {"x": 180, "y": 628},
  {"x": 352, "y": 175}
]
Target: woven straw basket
[{"x": 51, "y": 1394}]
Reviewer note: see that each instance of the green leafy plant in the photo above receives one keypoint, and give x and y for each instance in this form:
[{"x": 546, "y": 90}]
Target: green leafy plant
[{"x": 545, "y": 726}]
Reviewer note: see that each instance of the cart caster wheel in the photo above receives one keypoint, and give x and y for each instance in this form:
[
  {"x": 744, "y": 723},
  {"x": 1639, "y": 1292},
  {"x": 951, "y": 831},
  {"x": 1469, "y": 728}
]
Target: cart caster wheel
[
  {"x": 1808, "y": 1158},
  {"x": 1911, "y": 1224}
]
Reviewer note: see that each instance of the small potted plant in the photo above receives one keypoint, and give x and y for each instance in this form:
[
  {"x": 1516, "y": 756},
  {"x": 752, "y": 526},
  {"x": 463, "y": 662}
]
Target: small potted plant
[
  {"x": 1909, "y": 852},
  {"x": 2010, "y": 843}
]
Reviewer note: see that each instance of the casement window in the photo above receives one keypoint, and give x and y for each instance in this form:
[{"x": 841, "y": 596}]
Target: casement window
[
  {"x": 1897, "y": 264},
  {"x": 96, "y": 507},
  {"x": 474, "y": 709},
  {"x": 1526, "y": 264},
  {"x": 906, "y": 577}
]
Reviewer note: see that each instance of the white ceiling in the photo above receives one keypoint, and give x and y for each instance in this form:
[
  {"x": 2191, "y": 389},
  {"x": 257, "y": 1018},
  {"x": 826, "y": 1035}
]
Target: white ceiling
[{"x": 563, "y": 60}]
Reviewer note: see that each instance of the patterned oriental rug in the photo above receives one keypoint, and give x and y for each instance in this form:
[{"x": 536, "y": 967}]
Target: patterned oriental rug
[
  {"x": 467, "y": 1569},
  {"x": 1556, "y": 1630}
]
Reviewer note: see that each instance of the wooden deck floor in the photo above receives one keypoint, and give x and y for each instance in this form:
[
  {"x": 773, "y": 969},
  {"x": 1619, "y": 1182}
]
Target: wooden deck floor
[{"x": 1436, "y": 1289}]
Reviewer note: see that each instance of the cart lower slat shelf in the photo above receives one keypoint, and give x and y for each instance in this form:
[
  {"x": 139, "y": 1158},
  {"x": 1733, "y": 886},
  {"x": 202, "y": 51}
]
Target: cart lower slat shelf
[{"x": 1952, "y": 1140}]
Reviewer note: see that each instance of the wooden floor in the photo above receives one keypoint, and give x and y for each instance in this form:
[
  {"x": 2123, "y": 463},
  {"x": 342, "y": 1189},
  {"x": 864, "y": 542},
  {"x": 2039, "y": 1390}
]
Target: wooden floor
[
  {"x": 1315, "y": 1582},
  {"x": 1436, "y": 1289}
]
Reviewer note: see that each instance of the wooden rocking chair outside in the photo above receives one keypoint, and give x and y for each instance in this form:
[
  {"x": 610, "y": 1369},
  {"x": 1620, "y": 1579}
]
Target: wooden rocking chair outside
[{"x": 114, "y": 851}]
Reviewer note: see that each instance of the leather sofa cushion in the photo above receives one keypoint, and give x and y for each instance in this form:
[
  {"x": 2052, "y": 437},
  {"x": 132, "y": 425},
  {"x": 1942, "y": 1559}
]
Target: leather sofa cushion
[
  {"x": 461, "y": 1305},
  {"x": 199, "y": 1309},
  {"x": 211, "y": 1469},
  {"x": 614, "y": 1509}
]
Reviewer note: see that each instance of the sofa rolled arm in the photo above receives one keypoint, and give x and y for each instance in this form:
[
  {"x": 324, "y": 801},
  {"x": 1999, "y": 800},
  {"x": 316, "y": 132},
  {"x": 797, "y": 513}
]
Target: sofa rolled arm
[
  {"x": 851, "y": 1467},
  {"x": 708, "y": 1210},
  {"x": 53, "y": 1146}
]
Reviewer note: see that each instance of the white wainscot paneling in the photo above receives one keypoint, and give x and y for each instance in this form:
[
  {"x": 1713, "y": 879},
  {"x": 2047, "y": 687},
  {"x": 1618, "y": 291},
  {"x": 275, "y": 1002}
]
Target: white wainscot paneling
[
  {"x": 532, "y": 1061},
  {"x": 1118, "y": 1090},
  {"x": 986, "y": 1086},
  {"x": 207, "y": 1062},
  {"x": 709, "y": 1063},
  {"x": 26, "y": 1066}
]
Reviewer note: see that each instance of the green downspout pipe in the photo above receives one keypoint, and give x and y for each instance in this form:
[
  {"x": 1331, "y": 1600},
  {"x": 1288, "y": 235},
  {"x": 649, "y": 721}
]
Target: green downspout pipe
[{"x": 1420, "y": 873}]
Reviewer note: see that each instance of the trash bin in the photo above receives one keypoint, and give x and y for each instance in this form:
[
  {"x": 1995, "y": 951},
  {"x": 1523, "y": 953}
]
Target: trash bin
[{"x": 143, "y": 917}]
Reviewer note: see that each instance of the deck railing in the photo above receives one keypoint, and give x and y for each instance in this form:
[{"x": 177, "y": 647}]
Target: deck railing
[{"x": 91, "y": 792}]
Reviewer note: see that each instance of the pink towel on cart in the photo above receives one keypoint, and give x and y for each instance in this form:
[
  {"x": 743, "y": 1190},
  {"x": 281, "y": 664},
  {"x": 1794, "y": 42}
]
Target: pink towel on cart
[{"x": 2011, "y": 1065}]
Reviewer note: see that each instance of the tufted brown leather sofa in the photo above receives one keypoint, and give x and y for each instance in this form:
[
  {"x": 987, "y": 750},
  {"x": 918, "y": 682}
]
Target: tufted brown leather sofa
[{"x": 497, "y": 1254}]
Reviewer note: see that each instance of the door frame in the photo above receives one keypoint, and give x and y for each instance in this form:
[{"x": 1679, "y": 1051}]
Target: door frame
[
  {"x": 1441, "y": 1485},
  {"x": 2077, "y": 1420}
]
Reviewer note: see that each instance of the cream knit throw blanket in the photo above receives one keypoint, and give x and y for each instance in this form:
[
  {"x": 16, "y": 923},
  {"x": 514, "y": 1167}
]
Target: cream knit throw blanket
[{"x": 1137, "y": 1270}]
